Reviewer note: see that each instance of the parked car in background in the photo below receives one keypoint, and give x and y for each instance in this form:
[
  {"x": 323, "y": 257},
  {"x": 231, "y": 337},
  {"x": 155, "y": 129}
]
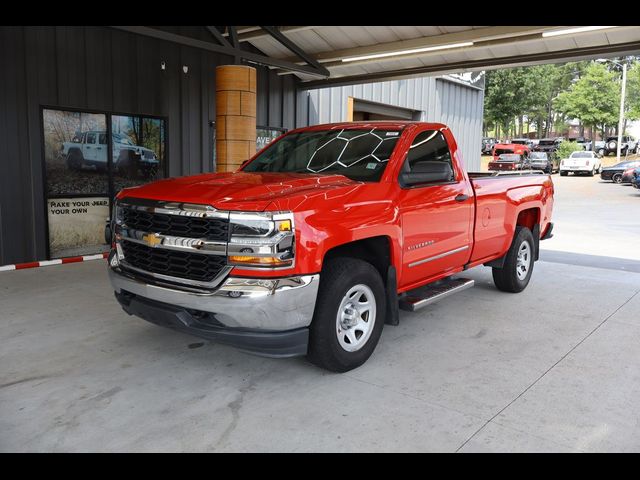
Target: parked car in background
[
  {"x": 509, "y": 161},
  {"x": 583, "y": 142},
  {"x": 548, "y": 145},
  {"x": 581, "y": 162},
  {"x": 487, "y": 145},
  {"x": 523, "y": 141},
  {"x": 628, "y": 145},
  {"x": 636, "y": 178},
  {"x": 542, "y": 161},
  {"x": 627, "y": 175},
  {"x": 502, "y": 148},
  {"x": 614, "y": 173}
]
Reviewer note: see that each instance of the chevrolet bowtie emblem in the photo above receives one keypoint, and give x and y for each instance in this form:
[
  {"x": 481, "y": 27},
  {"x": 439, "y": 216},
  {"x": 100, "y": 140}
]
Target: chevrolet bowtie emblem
[{"x": 152, "y": 239}]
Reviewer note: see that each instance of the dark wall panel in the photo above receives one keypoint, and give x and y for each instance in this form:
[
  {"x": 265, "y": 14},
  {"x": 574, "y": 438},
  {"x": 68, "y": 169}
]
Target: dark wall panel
[{"x": 97, "y": 68}]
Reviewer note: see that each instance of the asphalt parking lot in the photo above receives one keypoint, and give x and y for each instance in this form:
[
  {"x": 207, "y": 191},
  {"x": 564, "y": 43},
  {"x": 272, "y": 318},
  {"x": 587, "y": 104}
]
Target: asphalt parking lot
[{"x": 555, "y": 368}]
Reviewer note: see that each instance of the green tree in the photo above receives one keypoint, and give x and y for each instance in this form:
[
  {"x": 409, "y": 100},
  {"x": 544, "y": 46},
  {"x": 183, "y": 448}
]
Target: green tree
[
  {"x": 632, "y": 95},
  {"x": 508, "y": 96},
  {"x": 593, "y": 98}
]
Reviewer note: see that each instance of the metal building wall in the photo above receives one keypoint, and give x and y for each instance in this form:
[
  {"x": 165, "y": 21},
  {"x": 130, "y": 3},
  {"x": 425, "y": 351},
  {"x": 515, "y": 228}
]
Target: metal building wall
[
  {"x": 456, "y": 105},
  {"x": 98, "y": 68}
]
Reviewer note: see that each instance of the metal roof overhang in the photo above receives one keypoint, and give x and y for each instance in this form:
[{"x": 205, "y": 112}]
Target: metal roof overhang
[
  {"x": 492, "y": 47},
  {"x": 317, "y": 54}
]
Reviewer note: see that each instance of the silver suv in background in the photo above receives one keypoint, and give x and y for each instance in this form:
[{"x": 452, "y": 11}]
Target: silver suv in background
[{"x": 628, "y": 145}]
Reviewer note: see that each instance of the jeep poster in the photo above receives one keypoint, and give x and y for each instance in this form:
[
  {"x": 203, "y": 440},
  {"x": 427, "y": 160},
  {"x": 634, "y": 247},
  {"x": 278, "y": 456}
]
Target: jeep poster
[
  {"x": 86, "y": 164},
  {"x": 76, "y": 225},
  {"x": 75, "y": 153}
]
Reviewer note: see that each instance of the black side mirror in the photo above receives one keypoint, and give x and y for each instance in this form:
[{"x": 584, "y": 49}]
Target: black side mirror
[{"x": 427, "y": 172}]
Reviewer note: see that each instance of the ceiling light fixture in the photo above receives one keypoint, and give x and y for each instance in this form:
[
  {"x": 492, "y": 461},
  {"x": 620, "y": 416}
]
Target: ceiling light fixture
[
  {"x": 407, "y": 52},
  {"x": 569, "y": 31}
]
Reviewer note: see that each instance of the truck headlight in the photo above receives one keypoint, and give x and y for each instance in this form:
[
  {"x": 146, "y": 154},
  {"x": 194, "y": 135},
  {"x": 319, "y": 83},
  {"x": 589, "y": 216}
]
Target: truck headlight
[{"x": 262, "y": 240}]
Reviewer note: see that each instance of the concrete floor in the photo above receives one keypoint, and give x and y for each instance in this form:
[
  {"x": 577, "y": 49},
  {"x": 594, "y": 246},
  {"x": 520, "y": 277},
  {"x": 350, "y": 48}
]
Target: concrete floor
[{"x": 555, "y": 368}]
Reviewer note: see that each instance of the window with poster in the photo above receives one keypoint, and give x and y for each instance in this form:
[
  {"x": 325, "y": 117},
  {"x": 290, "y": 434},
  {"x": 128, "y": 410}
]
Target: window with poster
[{"x": 88, "y": 158}]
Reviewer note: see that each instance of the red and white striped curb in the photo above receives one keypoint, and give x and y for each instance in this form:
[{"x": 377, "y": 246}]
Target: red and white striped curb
[{"x": 57, "y": 261}]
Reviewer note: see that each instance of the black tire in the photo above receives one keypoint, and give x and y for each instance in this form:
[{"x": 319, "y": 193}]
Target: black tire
[
  {"x": 602, "y": 151},
  {"x": 74, "y": 159},
  {"x": 337, "y": 278},
  {"x": 616, "y": 178},
  {"x": 563, "y": 173},
  {"x": 506, "y": 278},
  {"x": 107, "y": 234},
  {"x": 592, "y": 172}
]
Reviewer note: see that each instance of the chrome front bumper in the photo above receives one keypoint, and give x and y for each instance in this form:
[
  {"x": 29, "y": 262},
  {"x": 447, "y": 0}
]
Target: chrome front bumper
[{"x": 259, "y": 304}]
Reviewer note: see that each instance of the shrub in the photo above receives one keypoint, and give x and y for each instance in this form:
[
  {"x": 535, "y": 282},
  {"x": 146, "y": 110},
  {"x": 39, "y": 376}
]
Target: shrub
[{"x": 567, "y": 148}]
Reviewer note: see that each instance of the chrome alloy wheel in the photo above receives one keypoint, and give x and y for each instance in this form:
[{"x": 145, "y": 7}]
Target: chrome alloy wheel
[
  {"x": 524, "y": 260},
  {"x": 356, "y": 318}
]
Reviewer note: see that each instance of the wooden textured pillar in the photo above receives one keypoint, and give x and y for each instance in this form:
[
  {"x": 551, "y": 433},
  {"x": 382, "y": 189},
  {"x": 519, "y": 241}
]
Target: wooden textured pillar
[{"x": 235, "y": 116}]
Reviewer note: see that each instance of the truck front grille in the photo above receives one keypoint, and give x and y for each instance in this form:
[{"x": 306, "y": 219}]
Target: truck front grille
[
  {"x": 192, "y": 266},
  {"x": 215, "y": 229}
]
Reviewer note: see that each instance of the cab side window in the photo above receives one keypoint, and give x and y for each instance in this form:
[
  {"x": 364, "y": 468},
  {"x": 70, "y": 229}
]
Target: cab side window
[{"x": 429, "y": 154}]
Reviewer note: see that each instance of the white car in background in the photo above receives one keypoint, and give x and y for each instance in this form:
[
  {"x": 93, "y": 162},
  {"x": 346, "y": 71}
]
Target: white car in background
[{"x": 581, "y": 162}]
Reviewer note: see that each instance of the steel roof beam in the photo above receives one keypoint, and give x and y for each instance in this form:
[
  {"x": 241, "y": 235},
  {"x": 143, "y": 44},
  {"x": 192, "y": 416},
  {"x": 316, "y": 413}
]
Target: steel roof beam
[{"x": 212, "y": 47}]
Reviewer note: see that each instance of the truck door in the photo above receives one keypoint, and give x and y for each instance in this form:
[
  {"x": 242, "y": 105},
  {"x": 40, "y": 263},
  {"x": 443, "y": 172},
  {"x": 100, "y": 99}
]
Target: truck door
[
  {"x": 89, "y": 146},
  {"x": 437, "y": 218}
]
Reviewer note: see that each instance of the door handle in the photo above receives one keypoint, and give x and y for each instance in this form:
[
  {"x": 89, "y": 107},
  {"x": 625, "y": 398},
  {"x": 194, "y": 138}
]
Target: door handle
[{"x": 461, "y": 198}]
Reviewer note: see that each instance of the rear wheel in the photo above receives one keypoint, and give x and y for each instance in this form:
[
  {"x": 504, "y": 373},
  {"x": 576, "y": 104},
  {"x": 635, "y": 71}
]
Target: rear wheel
[
  {"x": 516, "y": 272},
  {"x": 563, "y": 173},
  {"x": 349, "y": 315}
]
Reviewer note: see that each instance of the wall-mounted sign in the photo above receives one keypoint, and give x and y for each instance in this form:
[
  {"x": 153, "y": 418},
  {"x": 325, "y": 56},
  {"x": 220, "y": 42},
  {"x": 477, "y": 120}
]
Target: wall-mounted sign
[
  {"x": 471, "y": 79},
  {"x": 264, "y": 136}
]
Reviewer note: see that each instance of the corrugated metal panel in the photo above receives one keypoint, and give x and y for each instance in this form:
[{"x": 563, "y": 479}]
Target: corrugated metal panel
[
  {"x": 97, "y": 68},
  {"x": 458, "y": 106}
]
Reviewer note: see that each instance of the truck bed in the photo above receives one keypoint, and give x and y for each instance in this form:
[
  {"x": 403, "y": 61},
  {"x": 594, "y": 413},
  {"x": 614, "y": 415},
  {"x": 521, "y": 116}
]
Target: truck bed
[{"x": 498, "y": 197}]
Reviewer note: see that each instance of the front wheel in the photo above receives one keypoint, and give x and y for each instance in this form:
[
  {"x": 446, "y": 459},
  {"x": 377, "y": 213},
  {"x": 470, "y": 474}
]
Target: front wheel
[
  {"x": 349, "y": 315},
  {"x": 617, "y": 178},
  {"x": 516, "y": 272},
  {"x": 592, "y": 172}
]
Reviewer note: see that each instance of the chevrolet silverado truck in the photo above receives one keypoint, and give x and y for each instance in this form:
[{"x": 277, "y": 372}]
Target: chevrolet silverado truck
[{"x": 320, "y": 238}]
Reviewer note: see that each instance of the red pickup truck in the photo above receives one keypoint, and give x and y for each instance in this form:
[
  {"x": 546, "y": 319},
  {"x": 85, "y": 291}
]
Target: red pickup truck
[{"x": 318, "y": 240}]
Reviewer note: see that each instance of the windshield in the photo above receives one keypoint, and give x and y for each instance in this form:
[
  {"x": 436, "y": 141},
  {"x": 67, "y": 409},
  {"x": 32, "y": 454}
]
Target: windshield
[
  {"x": 581, "y": 155},
  {"x": 120, "y": 138},
  {"x": 547, "y": 142},
  {"x": 538, "y": 156},
  {"x": 359, "y": 154},
  {"x": 500, "y": 151},
  {"x": 509, "y": 157},
  {"x": 519, "y": 141}
]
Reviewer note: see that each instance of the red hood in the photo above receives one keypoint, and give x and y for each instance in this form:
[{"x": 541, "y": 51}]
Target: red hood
[{"x": 236, "y": 190}]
